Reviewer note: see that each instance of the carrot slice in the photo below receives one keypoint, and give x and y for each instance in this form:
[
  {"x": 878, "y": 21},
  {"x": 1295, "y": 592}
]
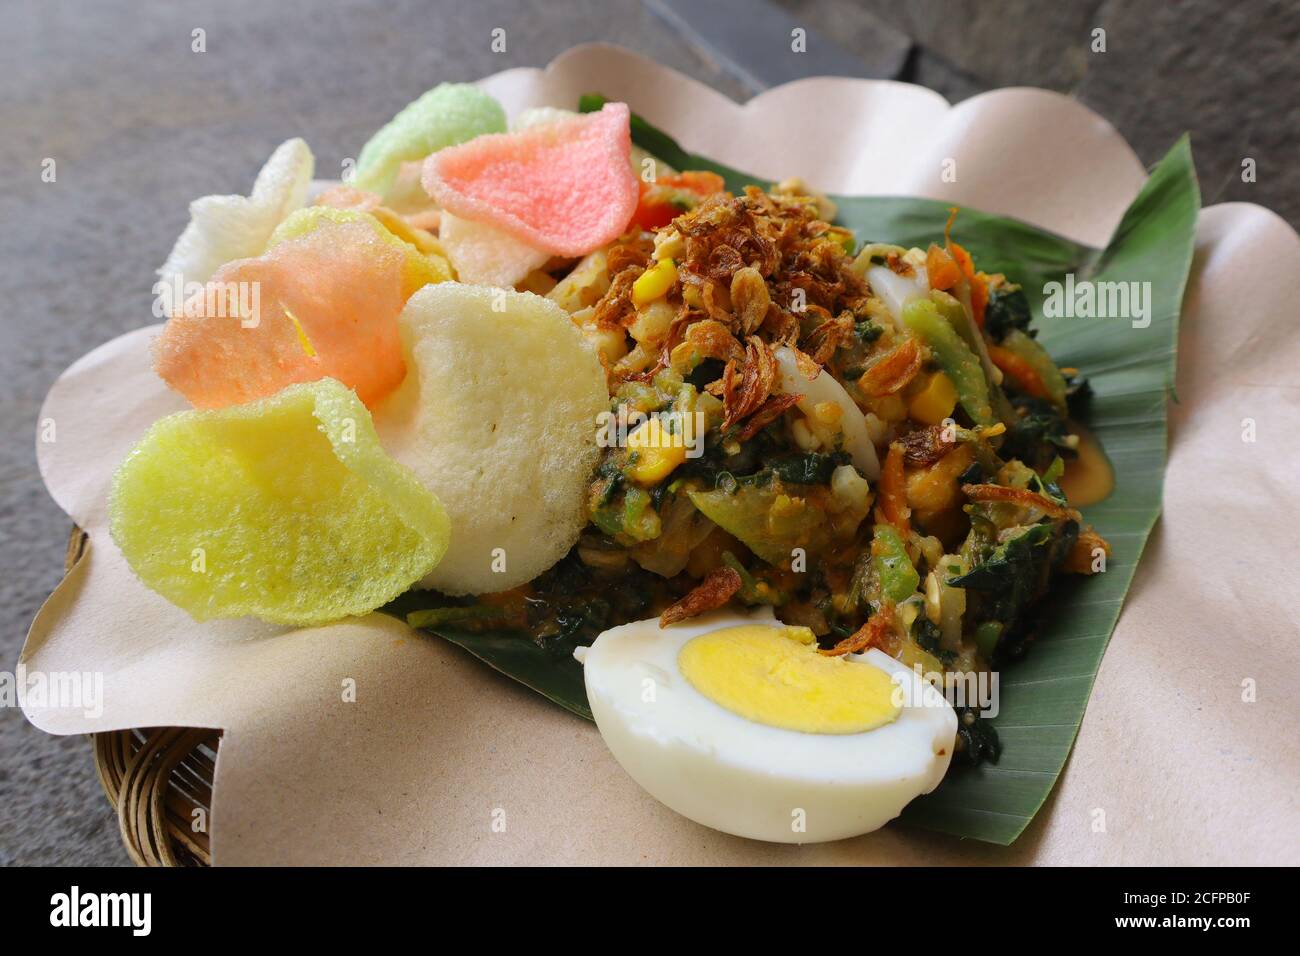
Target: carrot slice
[
  {"x": 979, "y": 297},
  {"x": 1021, "y": 373},
  {"x": 893, "y": 490},
  {"x": 941, "y": 269},
  {"x": 699, "y": 181},
  {"x": 979, "y": 284}
]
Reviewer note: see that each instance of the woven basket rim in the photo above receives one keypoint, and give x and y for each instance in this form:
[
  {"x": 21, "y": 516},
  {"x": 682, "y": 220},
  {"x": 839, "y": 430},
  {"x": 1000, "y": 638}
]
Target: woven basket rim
[{"x": 158, "y": 780}]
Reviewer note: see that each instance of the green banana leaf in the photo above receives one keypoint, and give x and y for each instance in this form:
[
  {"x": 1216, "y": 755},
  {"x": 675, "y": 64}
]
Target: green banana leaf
[
  {"x": 1131, "y": 370},
  {"x": 549, "y": 670}
]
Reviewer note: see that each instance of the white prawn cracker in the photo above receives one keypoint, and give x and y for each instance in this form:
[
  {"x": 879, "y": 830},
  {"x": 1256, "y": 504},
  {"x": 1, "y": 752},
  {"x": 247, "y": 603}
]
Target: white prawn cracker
[
  {"x": 497, "y": 416},
  {"x": 225, "y": 228}
]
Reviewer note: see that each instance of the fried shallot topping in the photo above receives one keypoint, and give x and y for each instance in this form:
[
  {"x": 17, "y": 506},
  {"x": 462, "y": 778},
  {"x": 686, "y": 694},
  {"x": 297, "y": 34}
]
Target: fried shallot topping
[
  {"x": 709, "y": 338},
  {"x": 615, "y": 306},
  {"x": 774, "y": 238},
  {"x": 628, "y": 253},
  {"x": 772, "y": 409},
  {"x": 821, "y": 343},
  {"x": 1082, "y": 557},
  {"x": 626, "y": 260},
  {"x": 745, "y": 390},
  {"x": 757, "y": 269},
  {"x": 925, "y": 446},
  {"x": 1020, "y": 496},
  {"x": 715, "y": 590},
  {"x": 871, "y": 634},
  {"x": 892, "y": 373}
]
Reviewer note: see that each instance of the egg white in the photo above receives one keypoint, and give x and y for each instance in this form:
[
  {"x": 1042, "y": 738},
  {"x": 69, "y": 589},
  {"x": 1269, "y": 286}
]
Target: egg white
[
  {"x": 825, "y": 388},
  {"x": 897, "y": 291},
  {"x": 750, "y": 779}
]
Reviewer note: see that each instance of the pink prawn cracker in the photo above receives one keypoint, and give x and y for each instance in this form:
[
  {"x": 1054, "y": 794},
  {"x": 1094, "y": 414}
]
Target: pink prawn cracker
[{"x": 565, "y": 187}]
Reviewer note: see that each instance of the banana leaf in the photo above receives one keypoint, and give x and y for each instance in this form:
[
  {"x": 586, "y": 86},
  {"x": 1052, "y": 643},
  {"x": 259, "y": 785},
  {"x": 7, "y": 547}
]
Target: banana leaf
[{"x": 1131, "y": 370}]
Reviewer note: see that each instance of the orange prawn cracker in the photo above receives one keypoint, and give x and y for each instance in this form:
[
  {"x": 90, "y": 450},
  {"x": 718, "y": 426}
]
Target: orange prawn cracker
[
  {"x": 565, "y": 187},
  {"x": 324, "y": 304}
]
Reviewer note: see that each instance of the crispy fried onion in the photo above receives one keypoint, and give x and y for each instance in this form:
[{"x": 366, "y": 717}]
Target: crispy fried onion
[
  {"x": 898, "y": 265},
  {"x": 1081, "y": 556},
  {"x": 725, "y": 234},
  {"x": 821, "y": 342},
  {"x": 717, "y": 301},
  {"x": 871, "y": 634},
  {"x": 714, "y": 591},
  {"x": 749, "y": 299},
  {"x": 781, "y": 326},
  {"x": 711, "y": 339},
  {"x": 894, "y": 371},
  {"x": 807, "y": 367},
  {"x": 1019, "y": 496},
  {"x": 745, "y": 391},
  {"x": 925, "y": 446},
  {"x": 615, "y": 306},
  {"x": 757, "y": 264},
  {"x": 629, "y": 252},
  {"x": 772, "y": 409}
]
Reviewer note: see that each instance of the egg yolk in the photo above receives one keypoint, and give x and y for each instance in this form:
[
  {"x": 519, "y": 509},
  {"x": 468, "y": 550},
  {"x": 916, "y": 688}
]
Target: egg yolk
[{"x": 774, "y": 676}]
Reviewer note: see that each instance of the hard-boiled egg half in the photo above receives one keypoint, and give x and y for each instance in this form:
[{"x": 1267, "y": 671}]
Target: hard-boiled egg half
[{"x": 736, "y": 722}]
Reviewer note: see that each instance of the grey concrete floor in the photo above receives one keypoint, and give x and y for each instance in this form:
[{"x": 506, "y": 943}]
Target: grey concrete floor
[{"x": 138, "y": 125}]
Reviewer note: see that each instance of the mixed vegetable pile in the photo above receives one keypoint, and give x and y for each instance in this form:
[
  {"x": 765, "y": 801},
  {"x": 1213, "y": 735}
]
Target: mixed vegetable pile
[{"x": 881, "y": 438}]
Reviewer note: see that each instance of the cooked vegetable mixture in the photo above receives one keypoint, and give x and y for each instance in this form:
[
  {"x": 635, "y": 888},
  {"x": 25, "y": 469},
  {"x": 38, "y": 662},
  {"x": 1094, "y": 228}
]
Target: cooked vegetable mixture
[{"x": 868, "y": 439}]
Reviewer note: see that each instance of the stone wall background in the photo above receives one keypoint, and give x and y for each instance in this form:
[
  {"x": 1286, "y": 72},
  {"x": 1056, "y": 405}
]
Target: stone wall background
[
  {"x": 1229, "y": 73},
  {"x": 140, "y": 125}
]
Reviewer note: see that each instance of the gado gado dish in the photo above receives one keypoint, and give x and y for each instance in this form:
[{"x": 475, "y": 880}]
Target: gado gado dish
[{"x": 777, "y": 486}]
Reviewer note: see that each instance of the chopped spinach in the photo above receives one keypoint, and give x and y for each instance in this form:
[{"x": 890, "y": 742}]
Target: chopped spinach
[
  {"x": 571, "y": 605},
  {"x": 1016, "y": 572},
  {"x": 1038, "y": 434},
  {"x": 927, "y": 635},
  {"x": 977, "y": 738},
  {"x": 973, "y": 475},
  {"x": 611, "y": 473},
  {"x": 708, "y": 371},
  {"x": 1007, "y": 309},
  {"x": 716, "y": 461},
  {"x": 810, "y": 469},
  {"x": 867, "y": 331}
]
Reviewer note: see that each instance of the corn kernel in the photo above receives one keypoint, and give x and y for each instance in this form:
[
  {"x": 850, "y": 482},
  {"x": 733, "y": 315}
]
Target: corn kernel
[
  {"x": 933, "y": 599},
  {"x": 654, "y": 283},
  {"x": 891, "y": 408},
  {"x": 935, "y": 402},
  {"x": 669, "y": 244},
  {"x": 652, "y": 322},
  {"x": 657, "y": 453},
  {"x": 785, "y": 507},
  {"x": 610, "y": 344},
  {"x": 828, "y": 413},
  {"x": 803, "y": 436}
]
